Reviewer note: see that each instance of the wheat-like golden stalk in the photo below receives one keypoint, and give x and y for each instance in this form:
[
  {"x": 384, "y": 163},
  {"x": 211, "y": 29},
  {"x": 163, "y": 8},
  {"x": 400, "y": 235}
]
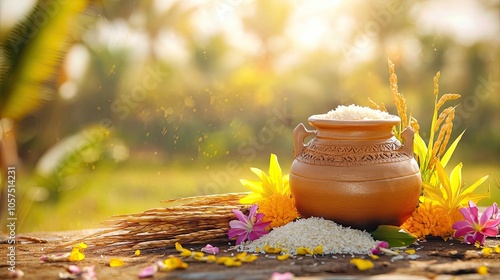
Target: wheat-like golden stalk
[
  {"x": 449, "y": 129},
  {"x": 373, "y": 104},
  {"x": 414, "y": 124},
  {"x": 442, "y": 117},
  {"x": 192, "y": 220},
  {"x": 436, "y": 83},
  {"x": 445, "y": 126},
  {"x": 397, "y": 97},
  {"x": 446, "y": 97}
]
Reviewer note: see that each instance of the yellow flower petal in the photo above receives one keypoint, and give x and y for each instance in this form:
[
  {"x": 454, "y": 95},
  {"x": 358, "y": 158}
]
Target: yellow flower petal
[
  {"x": 375, "y": 257},
  {"x": 483, "y": 270},
  {"x": 362, "y": 264},
  {"x": 174, "y": 263},
  {"x": 186, "y": 253},
  {"x": 251, "y": 198},
  {"x": 283, "y": 257},
  {"x": 116, "y": 262},
  {"x": 254, "y": 186},
  {"x": 241, "y": 255},
  {"x": 270, "y": 250},
  {"x": 304, "y": 251},
  {"x": 82, "y": 245},
  {"x": 244, "y": 257},
  {"x": 221, "y": 260},
  {"x": 410, "y": 251},
  {"x": 210, "y": 258},
  {"x": 232, "y": 262},
  {"x": 318, "y": 250},
  {"x": 273, "y": 184},
  {"x": 197, "y": 255},
  {"x": 275, "y": 173},
  {"x": 76, "y": 254},
  {"x": 178, "y": 247},
  {"x": 497, "y": 249},
  {"x": 486, "y": 251},
  {"x": 137, "y": 252}
]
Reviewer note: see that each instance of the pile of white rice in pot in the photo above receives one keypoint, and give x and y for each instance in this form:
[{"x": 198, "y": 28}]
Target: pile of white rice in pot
[
  {"x": 312, "y": 232},
  {"x": 354, "y": 112}
]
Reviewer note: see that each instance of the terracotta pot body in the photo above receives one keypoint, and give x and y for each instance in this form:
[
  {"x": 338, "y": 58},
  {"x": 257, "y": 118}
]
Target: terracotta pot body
[{"x": 355, "y": 172}]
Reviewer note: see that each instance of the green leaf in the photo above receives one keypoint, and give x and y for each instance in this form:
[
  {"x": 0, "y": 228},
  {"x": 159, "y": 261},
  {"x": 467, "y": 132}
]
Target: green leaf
[
  {"x": 420, "y": 149},
  {"x": 395, "y": 236},
  {"x": 447, "y": 156}
]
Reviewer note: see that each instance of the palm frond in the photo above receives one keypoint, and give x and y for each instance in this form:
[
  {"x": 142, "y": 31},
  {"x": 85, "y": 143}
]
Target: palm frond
[
  {"x": 69, "y": 156},
  {"x": 32, "y": 54}
]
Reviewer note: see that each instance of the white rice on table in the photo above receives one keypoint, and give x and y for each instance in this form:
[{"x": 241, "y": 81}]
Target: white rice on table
[
  {"x": 355, "y": 112},
  {"x": 313, "y": 232}
]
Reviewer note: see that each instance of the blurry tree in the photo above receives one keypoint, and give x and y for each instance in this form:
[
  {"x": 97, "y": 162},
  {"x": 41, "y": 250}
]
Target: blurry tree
[{"x": 31, "y": 57}]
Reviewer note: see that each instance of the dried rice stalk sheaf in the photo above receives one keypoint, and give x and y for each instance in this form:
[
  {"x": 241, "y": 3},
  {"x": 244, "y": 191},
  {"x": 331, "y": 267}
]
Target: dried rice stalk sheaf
[{"x": 191, "y": 220}]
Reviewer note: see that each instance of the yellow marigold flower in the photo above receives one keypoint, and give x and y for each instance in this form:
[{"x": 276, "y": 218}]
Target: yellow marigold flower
[
  {"x": 278, "y": 209},
  {"x": 137, "y": 253},
  {"x": 116, "y": 262},
  {"x": 429, "y": 219},
  {"x": 283, "y": 257},
  {"x": 275, "y": 183},
  {"x": 173, "y": 263},
  {"x": 483, "y": 270},
  {"x": 362, "y": 264}
]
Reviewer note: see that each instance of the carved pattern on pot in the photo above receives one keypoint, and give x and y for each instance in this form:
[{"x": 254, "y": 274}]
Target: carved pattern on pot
[{"x": 350, "y": 155}]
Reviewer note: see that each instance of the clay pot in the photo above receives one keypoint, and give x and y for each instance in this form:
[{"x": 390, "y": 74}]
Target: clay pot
[{"x": 355, "y": 172}]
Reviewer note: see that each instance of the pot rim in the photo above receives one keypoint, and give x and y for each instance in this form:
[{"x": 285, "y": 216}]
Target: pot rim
[{"x": 316, "y": 120}]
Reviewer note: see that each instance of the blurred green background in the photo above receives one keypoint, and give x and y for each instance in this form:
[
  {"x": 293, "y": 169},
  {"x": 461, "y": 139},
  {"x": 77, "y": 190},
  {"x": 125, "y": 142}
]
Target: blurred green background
[{"x": 109, "y": 107}]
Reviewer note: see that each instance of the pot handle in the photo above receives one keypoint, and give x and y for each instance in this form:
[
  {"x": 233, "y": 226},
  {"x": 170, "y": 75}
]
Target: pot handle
[
  {"x": 407, "y": 135},
  {"x": 299, "y": 134}
]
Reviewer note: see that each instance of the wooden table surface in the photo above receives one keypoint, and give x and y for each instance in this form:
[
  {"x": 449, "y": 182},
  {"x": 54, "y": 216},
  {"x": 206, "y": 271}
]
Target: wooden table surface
[{"x": 437, "y": 259}]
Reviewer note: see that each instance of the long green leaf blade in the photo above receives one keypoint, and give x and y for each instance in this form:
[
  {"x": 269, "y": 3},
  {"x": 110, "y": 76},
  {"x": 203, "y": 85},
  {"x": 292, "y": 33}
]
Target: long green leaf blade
[
  {"x": 395, "y": 236},
  {"x": 449, "y": 152}
]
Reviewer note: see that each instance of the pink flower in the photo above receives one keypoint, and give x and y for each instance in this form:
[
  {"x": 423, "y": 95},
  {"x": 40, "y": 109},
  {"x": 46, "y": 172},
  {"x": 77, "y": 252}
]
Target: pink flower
[
  {"x": 74, "y": 269},
  {"x": 209, "y": 249},
  {"x": 247, "y": 227},
  {"x": 282, "y": 276},
  {"x": 148, "y": 271},
  {"x": 381, "y": 244},
  {"x": 475, "y": 229}
]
